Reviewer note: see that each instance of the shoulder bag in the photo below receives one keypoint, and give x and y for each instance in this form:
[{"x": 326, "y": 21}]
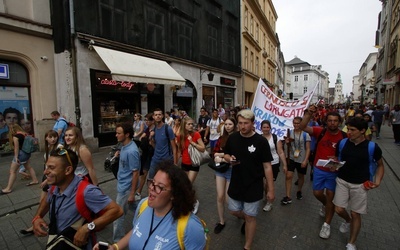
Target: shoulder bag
[{"x": 198, "y": 158}]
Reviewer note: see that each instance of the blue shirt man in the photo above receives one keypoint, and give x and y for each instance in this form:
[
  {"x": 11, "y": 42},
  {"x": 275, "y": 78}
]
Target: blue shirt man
[
  {"x": 60, "y": 126},
  {"x": 128, "y": 175}
]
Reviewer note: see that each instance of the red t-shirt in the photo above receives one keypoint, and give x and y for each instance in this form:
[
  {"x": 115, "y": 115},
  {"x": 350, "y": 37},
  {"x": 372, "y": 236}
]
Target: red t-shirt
[
  {"x": 327, "y": 145},
  {"x": 185, "y": 153}
]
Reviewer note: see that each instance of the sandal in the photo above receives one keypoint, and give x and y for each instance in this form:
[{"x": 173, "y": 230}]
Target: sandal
[
  {"x": 2, "y": 192},
  {"x": 32, "y": 183}
]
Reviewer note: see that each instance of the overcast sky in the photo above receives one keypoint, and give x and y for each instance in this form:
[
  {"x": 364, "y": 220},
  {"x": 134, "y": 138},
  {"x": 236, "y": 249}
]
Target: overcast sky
[{"x": 337, "y": 34}]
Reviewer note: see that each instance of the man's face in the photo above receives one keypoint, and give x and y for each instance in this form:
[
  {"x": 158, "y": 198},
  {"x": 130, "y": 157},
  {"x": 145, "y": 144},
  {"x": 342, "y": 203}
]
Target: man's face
[
  {"x": 157, "y": 116},
  {"x": 55, "y": 172},
  {"x": 296, "y": 124},
  {"x": 332, "y": 122},
  {"x": 202, "y": 112},
  {"x": 11, "y": 119},
  {"x": 215, "y": 113},
  {"x": 353, "y": 133},
  {"x": 245, "y": 126},
  {"x": 55, "y": 117},
  {"x": 119, "y": 134}
]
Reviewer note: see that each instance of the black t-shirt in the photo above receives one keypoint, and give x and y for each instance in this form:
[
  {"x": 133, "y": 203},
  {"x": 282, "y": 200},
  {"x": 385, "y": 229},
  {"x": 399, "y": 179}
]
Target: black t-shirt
[
  {"x": 247, "y": 176},
  {"x": 202, "y": 122},
  {"x": 356, "y": 168},
  {"x": 21, "y": 139}
]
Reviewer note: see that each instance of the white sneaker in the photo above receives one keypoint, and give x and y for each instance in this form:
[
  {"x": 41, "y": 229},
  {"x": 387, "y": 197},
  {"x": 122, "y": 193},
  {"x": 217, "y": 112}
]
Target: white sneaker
[
  {"x": 196, "y": 207},
  {"x": 344, "y": 227},
  {"x": 267, "y": 207},
  {"x": 138, "y": 197},
  {"x": 325, "y": 231},
  {"x": 350, "y": 246},
  {"x": 322, "y": 211}
]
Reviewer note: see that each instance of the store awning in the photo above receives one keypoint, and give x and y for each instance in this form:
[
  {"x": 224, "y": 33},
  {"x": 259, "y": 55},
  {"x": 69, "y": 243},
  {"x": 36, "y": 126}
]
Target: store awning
[{"x": 134, "y": 68}]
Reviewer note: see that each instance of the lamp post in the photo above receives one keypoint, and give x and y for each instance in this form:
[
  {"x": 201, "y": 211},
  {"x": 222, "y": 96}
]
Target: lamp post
[{"x": 362, "y": 86}]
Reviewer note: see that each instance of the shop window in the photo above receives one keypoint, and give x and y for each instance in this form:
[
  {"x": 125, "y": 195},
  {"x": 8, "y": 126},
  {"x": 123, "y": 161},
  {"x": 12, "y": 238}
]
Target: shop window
[{"x": 225, "y": 96}]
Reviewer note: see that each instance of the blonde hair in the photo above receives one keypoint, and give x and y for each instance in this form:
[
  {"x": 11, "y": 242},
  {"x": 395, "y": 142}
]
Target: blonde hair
[
  {"x": 246, "y": 114},
  {"x": 183, "y": 133},
  {"x": 13, "y": 130},
  {"x": 79, "y": 140}
]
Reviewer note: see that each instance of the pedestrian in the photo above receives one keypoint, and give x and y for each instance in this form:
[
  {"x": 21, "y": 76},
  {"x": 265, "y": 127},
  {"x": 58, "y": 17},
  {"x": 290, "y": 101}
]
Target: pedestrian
[
  {"x": 61, "y": 203},
  {"x": 278, "y": 156},
  {"x": 394, "y": 121},
  {"x": 212, "y": 129},
  {"x": 379, "y": 116},
  {"x": 371, "y": 125},
  {"x": 221, "y": 111},
  {"x": 138, "y": 126},
  {"x": 171, "y": 198},
  {"x": 16, "y": 137},
  {"x": 299, "y": 144},
  {"x": 324, "y": 183},
  {"x": 251, "y": 161},
  {"x": 188, "y": 136},
  {"x": 202, "y": 124},
  {"x": 163, "y": 141},
  {"x": 128, "y": 176},
  {"x": 74, "y": 140},
  {"x": 353, "y": 181},
  {"x": 60, "y": 126},
  {"x": 168, "y": 119},
  {"x": 222, "y": 180},
  {"x": 50, "y": 144}
]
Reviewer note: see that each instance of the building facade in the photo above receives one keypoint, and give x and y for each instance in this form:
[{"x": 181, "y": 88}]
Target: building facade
[
  {"x": 338, "y": 96},
  {"x": 366, "y": 78}
]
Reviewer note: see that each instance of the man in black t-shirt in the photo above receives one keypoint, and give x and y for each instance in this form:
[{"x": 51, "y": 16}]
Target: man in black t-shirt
[
  {"x": 251, "y": 158},
  {"x": 202, "y": 124}
]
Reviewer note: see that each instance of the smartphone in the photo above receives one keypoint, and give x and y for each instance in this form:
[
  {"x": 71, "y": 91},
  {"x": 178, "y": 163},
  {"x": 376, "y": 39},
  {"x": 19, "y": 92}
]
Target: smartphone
[{"x": 103, "y": 245}]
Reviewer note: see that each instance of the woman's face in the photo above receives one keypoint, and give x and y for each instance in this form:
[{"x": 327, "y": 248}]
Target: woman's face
[
  {"x": 162, "y": 199},
  {"x": 266, "y": 129},
  {"x": 229, "y": 126},
  {"x": 189, "y": 125},
  {"x": 69, "y": 137},
  {"x": 51, "y": 140},
  {"x": 136, "y": 117}
]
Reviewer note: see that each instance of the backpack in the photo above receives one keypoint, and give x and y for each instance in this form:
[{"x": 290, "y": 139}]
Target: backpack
[
  {"x": 30, "y": 144},
  {"x": 304, "y": 137},
  {"x": 373, "y": 165},
  {"x": 69, "y": 124},
  {"x": 180, "y": 229}
]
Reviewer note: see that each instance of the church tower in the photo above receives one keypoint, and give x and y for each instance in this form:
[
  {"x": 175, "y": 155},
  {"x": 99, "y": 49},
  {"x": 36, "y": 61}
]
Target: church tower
[{"x": 338, "y": 90}]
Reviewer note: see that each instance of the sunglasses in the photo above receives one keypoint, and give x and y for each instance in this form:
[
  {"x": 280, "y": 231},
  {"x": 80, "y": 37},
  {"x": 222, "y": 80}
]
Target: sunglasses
[
  {"x": 157, "y": 188},
  {"x": 65, "y": 152}
]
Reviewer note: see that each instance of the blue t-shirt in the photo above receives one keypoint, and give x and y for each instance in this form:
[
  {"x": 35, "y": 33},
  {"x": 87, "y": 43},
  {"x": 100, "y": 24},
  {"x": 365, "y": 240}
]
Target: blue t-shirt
[
  {"x": 163, "y": 148},
  {"x": 129, "y": 161},
  {"x": 62, "y": 124},
  {"x": 165, "y": 235},
  {"x": 67, "y": 213}
]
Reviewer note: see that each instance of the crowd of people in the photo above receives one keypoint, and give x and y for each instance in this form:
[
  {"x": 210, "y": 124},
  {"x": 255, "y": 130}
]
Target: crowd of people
[{"x": 154, "y": 151}]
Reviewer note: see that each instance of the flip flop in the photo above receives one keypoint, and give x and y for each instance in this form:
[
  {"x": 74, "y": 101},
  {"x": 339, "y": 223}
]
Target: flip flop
[
  {"x": 26, "y": 232},
  {"x": 2, "y": 192},
  {"x": 32, "y": 183}
]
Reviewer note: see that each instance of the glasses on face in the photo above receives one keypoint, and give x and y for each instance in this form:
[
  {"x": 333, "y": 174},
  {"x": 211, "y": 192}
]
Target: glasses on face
[
  {"x": 65, "y": 152},
  {"x": 157, "y": 188}
]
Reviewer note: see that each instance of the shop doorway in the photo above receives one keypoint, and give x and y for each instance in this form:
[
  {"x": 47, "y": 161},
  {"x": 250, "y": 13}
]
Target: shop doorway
[{"x": 185, "y": 98}]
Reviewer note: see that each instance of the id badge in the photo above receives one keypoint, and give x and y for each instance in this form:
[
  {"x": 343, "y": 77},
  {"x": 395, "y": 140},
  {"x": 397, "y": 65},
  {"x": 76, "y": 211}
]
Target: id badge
[
  {"x": 296, "y": 153},
  {"x": 394, "y": 119},
  {"x": 213, "y": 131}
]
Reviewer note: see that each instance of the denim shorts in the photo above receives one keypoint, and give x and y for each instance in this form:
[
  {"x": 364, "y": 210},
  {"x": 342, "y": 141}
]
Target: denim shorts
[
  {"x": 22, "y": 157},
  {"x": 226, "y": 175},
  {"x": 249, "y": 208}
]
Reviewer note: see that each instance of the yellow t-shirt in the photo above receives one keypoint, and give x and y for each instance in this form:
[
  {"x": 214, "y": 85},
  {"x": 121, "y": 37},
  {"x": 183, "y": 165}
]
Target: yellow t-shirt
[{"x": 368, "y": 132}]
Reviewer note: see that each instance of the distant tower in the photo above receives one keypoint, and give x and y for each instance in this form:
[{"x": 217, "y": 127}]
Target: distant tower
[{"x": 338, "y": 90}]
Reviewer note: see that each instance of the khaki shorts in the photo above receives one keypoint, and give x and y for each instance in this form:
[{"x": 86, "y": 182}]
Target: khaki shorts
[{"x": 352, "y": 196}]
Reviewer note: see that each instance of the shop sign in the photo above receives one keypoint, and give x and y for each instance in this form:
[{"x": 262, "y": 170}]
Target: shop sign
[
  {"x": 4, "y": 72},
  {"x": 185, "y": 92},
  {"x": 123, "y": 84},
  {"x": 227, "y": 81}
]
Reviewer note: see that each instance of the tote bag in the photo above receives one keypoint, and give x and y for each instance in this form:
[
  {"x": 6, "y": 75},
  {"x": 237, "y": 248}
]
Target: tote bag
[{"x": 198, "y": 158}]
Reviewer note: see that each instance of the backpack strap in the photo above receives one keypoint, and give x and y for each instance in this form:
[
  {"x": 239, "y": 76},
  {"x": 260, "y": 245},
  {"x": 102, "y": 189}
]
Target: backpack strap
[
  {"x": 143, "y": 206},
  {"x": 180, "y": 229},
  {"x": 372, "y": 163},
  {"x": 275, "y": 139},
  {"x": 304, "y": 139},
  {"x": 80, "y": 201},
  {"x": 341, "y": 146}
]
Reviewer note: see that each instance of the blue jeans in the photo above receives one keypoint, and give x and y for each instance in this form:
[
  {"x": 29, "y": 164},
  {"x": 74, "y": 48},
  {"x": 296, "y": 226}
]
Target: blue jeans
[{"x": 119, "y": 224}]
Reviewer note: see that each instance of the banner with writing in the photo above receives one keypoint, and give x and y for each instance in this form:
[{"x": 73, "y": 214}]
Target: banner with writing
[{"x": 280, "y": 112}]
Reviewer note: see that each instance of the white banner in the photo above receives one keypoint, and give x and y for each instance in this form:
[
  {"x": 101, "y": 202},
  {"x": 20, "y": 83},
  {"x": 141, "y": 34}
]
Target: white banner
[{"x": 268, "y": 106}]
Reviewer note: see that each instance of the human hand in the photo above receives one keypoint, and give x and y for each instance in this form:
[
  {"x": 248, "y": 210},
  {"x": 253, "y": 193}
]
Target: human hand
[
  {"x": 40, "y": 227},
  {"x": 81, "y": 236}
]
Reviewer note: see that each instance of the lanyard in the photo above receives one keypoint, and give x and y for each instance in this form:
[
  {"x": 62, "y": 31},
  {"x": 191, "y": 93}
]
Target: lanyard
[
  {"x": 298, "y": 141},
  {"x": 151, "y": 230}
]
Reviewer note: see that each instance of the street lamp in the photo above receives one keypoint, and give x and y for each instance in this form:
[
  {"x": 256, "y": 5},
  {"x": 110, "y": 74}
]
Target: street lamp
[{"x": 362, "y": 86}]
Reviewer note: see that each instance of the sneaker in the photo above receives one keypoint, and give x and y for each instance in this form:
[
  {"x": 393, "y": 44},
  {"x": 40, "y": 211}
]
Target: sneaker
[
  {"x": 299, "y": 195},
  {"x": 322, "y": 211},
  {"x": 350, "y": 246},
  {"x": 218, "y": 228},
  {"x": 196, "y": 207},
  {"x": 243, "y": 228},
  {"x": 286, "y": 200},
  {"x": 344, "y": 227},
  {"x": 138, "y": 197},
  {"x": 267, "y": 207},
  {"x": 325, "y": 231}
]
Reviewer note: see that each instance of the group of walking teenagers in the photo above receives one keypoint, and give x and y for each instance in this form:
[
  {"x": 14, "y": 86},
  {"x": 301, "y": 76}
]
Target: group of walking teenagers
[{"x": 156, "y": 153}]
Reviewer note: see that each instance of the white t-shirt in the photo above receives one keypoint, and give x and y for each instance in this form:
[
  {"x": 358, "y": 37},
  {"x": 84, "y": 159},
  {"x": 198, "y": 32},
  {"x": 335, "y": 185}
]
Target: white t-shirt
[{"x": 213, "y": 124}]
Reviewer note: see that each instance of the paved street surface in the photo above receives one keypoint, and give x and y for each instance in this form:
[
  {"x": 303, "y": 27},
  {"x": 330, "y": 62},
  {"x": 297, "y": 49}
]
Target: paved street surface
[{"x": 294, "y": 226}]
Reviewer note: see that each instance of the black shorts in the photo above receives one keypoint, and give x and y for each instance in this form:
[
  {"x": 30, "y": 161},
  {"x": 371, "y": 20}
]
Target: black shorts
[
  {"x": 295, "y": 165},
  {"x": 188, "y": 168},
  {"x": 275, "y": 170}
]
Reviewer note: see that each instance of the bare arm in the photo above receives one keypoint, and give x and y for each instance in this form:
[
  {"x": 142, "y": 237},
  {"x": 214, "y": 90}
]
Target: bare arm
[
  {"x": 86, "y": 158},
  {"x": 40, "y": 223},
  {"x": 174, "y": 151},
  {"x": 199, "y": 145},
  {"x": 270, "y": 180},
  {"x": 308, "y": 151},
  {"x": 16, "y": 148},
  {"x": 380, "y": 171},
  {"x": 135, "y": 180},
  {"x": 308, "y": 114},
  {"x": 281, "y": 154}
]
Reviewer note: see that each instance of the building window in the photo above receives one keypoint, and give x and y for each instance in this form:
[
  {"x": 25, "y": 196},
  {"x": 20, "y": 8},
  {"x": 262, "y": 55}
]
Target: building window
[
  {"x": 251, "y": 25},
  {"x": 252, "y": 62},
  {"x": 305, "y": 77},
  {"x": 304, "y": 90},
  {"x": 263, "y": 70},
  {"x": 212, "y": 41},
  {"x": 113, "y": 21},
  {"x": 230, "y": 47},
  {"x": 155, "y": 32},
  {"x": 185, "y": 40},
  {"x": 296, "y": 78},
  {"x": 246, "y": 18},
  {"x": 257, "y": 30},
  {"x": 246, "y": 58}
]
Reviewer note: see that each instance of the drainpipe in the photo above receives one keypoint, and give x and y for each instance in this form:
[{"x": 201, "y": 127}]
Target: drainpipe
[{"x": 74, "y": 64}]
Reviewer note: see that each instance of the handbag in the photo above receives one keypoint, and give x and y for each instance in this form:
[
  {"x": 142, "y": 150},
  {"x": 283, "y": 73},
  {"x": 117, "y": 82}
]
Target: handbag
[
  {"x": 221, "y": 167},
  {"x": 198, "y": 158}
]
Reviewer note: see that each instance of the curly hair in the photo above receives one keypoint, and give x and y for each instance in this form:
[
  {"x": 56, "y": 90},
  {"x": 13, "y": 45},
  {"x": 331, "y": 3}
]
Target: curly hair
[{"x": 182, "y": 190}]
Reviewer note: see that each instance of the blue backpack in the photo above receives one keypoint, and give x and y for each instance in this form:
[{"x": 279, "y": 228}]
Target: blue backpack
[{"x": 373, "y": 165}]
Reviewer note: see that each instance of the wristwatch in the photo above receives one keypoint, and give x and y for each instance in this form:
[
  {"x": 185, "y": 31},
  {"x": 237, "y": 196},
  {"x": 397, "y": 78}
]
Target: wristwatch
[{"x": 91, "y": 226}]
